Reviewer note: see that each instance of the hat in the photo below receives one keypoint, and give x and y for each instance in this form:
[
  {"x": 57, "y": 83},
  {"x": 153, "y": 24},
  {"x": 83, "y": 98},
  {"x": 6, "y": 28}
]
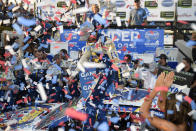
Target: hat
[
  {"x": 136, "y": 1},
  {"x": 162, "y": 56}
]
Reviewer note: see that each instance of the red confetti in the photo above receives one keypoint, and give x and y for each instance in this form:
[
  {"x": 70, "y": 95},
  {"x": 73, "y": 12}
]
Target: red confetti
[
  {"x": 27, "y": 71},
  {"x": 61, "y": 123},
  {"x": 116, "y": 85},
  {"x": 143, "y": 24},
  {"x": 70, "y": 22},
  {"x": 182, "y": 22},
  {"x": 73, "y": 1},
  {"x": 1, "y": 119},
  {"x": 115, "y": 67},
  {"x": 53, "y": 94},
  {"x": 88, "y": 82},
  {"x": 151, "y": 32},
  {"x": 25, "y": 100},
  {"x": 51, "y": 100},
  {"x": 56, "y": 18},
  {"x": 69, "y": 37},
  {"x": 3, "y": 79},
  {"x": 95, "y": 75},
  {"x": 61, "y": 108},
  {"x": 168, "y": 24},
  {"x": 107, "y": 13},
  {"x": 71, "y": 45},
  {"x": 21, "y": 115},
  {"x": 188, "y": 99},
  {"x": 90, "y": 121},
  {"x": 115, "y": 37},
  {"x": 65, "y": 91},
  {"x": 139, "y": 36},
  {"x": 91, "y": 97},
  {"x": 32, "y": 111},
  {"x": 7, "y": 54},
  {"x": 136, "y": 75},
  {"x": 73, "y": 92},
  {"x": 2, "y": 63},
  {"x": 122, "y": 61},
  {"x": 71, "y": 112},
  {"x": 19, "y": 101},
  {"x": 98, "y": 27},
  {"x": 56, "y": 47},
  {"x": 58, "y": 13}
]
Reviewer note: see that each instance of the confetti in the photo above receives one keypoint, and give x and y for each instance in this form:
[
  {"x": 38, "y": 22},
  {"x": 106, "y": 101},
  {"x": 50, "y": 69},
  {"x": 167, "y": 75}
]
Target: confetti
[
  {"x": 26, "y": 22},
  {"x": 71, "y": 112},
  {"x": 17, "y": 28}
]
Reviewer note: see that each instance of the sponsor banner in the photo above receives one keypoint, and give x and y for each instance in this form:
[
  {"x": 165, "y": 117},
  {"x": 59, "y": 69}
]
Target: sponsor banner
[
  {"x": 86, "y": 80},
  {"x": 56, "y": 46},
  {"x": 171, "y": 53},
  {"x": 186, "y": 10},
  {"x": 180, "y": 78},
  {"x": 162, "y": 10},
  {"x": 127, "y": 41}
]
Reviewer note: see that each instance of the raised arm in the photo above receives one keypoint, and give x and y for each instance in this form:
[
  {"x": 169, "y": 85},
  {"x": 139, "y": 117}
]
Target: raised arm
[{"x": 155, "y": 121}]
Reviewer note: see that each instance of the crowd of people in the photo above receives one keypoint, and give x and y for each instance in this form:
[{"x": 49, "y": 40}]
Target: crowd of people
[{"x": 29, "y": 75}]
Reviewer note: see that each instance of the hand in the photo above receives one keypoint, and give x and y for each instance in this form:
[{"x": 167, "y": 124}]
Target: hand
[
  {"x": 160, "y": 80},
  {"x": 169, "y": 79}
]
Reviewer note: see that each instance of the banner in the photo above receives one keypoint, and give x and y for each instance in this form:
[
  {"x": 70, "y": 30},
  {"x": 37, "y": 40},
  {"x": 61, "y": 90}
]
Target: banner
[
  {"x": 55, "y": 47},
  {"x": 162, "y": 10},
  {"x": 86, "y": 80},
  {"x": 180, "y": 78},
  {"x": 127, "y": 41},
  {"x": 186, "y": 10}
]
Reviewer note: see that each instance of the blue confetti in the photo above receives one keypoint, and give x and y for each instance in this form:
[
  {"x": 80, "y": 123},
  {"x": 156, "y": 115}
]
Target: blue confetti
[
  {"x": 54, "y": 79},
  {"x": 147, "y": 122},
  {"x": 96, "y": 124},
  {"x": 15, "y": 45},
  {"x": 26, "y": 54},
  {"x": 26, "y": 39},
  {"x": 191, "y": 43},
  {"x": 128, "y": 124},
  {"x": 10, "y": 14},
  {"x": 103, "y": 127},
  {"x": 170, "y": 112},
  {"x": 11, "y": 7},
  {"x": 13, "y": 60},
  {"x": 17, "y": 28},
  {"x": 58, "y": 68},
  {"x": 100, "y": 20},
  {"x": 25, "y": 47},
  {"x": 26, "y": 22},
  {"x": 193, "y": 105},
  {"x": 115, "y": 119},
  {"x": 134, "y": 82},
  {"x": 18, "y": 67},
  {"x": 68, "y": 96}
]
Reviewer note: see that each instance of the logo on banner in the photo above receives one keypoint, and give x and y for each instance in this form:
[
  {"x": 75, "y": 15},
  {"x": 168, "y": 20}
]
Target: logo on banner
[
  {"x": 167, "y": 3},
  {"x": 180, "y": 78},
  {"x": 152, "y": 35},
  {"x": 86, "y": 80}
]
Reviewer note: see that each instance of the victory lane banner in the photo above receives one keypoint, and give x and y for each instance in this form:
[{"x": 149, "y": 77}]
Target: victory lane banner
[
  {"x": 180, "y": 78},
  {"x": 126, "y": 40}
]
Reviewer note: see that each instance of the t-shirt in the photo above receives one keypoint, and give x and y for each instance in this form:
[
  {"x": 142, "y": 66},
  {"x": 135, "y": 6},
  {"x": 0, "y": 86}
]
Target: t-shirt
[{"x": 137, "y": 16}]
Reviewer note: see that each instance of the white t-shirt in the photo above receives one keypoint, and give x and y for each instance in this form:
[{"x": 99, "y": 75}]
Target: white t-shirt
[{"x": 148, "y": 77}]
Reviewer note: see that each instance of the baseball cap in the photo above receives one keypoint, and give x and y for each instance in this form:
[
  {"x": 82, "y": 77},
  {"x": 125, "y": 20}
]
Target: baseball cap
[
  {"x": 162, "y": 56},
  {"x": 136, "y": 1}
]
